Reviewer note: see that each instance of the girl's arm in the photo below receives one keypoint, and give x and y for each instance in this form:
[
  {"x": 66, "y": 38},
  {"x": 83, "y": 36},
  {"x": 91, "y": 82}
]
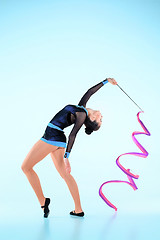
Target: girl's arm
[
  {"x": 94, "y": 89},
  {"x": 80, "y": 118}
]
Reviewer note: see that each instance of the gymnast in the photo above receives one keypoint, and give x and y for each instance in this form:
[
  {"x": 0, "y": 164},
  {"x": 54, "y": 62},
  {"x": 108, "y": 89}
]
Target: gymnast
[{"x": 54, "y": 142}]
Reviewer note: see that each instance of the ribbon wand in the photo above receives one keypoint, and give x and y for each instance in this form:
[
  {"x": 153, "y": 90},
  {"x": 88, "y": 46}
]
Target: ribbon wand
[
  {"x": 130, "y": 98},
  {"x": 129, "y": 174}
]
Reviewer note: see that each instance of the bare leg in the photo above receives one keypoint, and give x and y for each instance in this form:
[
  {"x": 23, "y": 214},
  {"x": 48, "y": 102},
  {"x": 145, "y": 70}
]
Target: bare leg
[
  {"x": 39, "y": 151},
  {"x": 36, "y": 185},
  {"x": 58, "y": 160}
]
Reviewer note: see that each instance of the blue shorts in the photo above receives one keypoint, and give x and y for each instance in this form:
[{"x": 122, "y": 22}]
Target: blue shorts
[{"x": 54, "y": 135}]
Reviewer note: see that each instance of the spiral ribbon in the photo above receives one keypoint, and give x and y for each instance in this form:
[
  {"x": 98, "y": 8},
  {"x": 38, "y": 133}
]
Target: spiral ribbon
[{"x": 130, "y": 175}]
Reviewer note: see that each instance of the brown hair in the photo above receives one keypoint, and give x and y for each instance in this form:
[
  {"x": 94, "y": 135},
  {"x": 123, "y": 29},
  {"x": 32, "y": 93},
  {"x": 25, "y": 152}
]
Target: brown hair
[{"x": 91, "y": 126}]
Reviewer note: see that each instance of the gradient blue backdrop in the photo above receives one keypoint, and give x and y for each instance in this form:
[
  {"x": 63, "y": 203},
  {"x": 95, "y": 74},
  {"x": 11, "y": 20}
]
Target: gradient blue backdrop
[{"x": 51, "y": 53}]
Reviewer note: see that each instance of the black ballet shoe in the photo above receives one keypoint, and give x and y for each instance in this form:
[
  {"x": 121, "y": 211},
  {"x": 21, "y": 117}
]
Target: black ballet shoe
[
  {"x": 46, "y": 209},
  {"x": 81, "y": 214}
]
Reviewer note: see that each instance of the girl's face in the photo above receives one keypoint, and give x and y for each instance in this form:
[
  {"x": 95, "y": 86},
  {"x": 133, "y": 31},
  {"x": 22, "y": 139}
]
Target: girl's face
[{"x": 96, "y": 116}]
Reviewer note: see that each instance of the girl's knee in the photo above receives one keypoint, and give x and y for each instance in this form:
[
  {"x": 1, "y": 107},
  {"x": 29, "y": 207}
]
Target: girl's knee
[
  {"x": 65, "y": 174},
  {"x": 24, "y": 168}
]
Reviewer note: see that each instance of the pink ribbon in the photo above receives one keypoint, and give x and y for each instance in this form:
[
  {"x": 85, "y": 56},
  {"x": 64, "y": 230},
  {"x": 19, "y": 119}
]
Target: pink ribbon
[{"x": 130, "y": 175}]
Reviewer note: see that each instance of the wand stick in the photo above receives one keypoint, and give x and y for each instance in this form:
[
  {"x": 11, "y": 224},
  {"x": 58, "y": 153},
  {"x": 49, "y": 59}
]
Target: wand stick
[{"x": 129, "y": 97}]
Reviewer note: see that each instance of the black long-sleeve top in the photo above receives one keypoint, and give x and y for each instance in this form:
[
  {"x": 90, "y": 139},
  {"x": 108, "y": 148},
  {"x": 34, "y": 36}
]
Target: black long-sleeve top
[{"x": 75, "y": 114}]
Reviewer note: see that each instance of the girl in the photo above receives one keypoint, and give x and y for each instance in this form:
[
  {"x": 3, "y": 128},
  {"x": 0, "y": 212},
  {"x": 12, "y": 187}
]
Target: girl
[{"x": 54, "y": 142}]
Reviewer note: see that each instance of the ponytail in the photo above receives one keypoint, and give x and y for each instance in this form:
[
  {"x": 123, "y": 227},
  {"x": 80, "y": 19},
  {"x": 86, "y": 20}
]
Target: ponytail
[{"x": 90, "y": 126}]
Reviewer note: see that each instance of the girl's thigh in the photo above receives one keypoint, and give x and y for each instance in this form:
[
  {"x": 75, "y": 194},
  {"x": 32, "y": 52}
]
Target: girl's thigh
[
  {"x": 39, "y": 151},
  {"x": 58, "y": 160}
]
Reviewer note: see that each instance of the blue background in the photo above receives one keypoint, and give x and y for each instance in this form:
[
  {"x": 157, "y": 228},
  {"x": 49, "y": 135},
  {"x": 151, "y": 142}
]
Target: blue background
[{"x": 51, "y": 53}]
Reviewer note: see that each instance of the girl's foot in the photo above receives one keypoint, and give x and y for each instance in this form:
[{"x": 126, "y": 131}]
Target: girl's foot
[
  {"x": 46, "y": 209},
  {"x": 79, "y": 214}
]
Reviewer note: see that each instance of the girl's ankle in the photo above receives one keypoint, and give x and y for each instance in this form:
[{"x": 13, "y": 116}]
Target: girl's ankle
[{"x": 78, "y": 210}]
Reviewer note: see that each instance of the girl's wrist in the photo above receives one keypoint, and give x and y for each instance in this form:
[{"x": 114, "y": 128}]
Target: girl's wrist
[
  {"x": 66, "y": 155},
  {"x": 105, "y": 81}
]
